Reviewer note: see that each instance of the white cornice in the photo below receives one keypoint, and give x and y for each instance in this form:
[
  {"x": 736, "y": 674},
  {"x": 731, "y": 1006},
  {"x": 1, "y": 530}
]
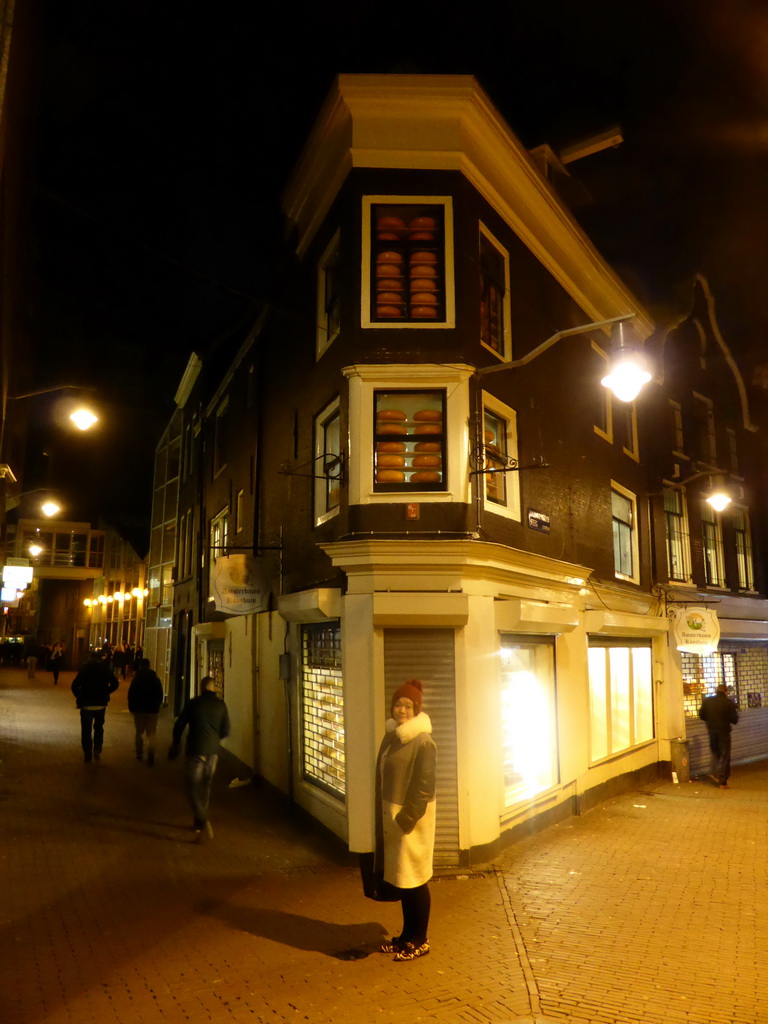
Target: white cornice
[{"x": 447, "y": 122}]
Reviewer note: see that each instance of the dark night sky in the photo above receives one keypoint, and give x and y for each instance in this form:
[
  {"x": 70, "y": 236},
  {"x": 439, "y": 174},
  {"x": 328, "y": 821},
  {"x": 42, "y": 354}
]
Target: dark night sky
[{"x": 164, "y": 138}]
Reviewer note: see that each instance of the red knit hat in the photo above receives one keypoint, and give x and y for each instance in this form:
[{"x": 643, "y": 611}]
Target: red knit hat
[{"x": 411, "y": 689}]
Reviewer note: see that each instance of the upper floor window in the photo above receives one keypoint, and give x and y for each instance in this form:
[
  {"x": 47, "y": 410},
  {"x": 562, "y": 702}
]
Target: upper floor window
[
  {"x": 706, "y": 446},
  {"x": 494, "y": 295},
  {"x": 500, "y": 481},
  {"x": 744, "y": 563},
  {"x": 678, "y": 437},
  {"x": 625, "y": 429},
  {"x": 327, "y": 465},
  {"x": 220, "y": 437},
  {"x": 407, "y": 262},
  {"x": 624, "y": 518},
  {"x": 604, "y": 411},
  {"x": 409, "y": 431},
  {"x": 712, "y": 537},
  {"x": 218, "y": 541},
  {"x": 328, "y": 296},
  {"x": 676, "y": 535}
]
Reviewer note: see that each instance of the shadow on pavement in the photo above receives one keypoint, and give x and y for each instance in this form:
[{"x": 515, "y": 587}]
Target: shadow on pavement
[{"x": 342, "y": 941}]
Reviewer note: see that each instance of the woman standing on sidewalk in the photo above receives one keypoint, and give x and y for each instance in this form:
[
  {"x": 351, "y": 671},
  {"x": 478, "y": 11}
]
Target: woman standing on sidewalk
[
  {"x": 405, "y": 816},
  {"x": 55, "y": 660}
]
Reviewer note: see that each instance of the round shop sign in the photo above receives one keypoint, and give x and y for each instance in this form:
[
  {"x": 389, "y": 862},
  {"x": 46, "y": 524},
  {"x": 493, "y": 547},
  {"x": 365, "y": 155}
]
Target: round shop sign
[{"x": 696, "y": 630}]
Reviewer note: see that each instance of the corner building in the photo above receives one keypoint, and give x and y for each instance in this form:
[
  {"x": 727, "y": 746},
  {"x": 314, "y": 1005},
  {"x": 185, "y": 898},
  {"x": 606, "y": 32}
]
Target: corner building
[{"x": 416, "y": 513}]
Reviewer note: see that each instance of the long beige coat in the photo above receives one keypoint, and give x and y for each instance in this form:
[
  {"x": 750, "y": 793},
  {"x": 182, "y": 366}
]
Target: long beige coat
[{"x": 405, "y": 802}]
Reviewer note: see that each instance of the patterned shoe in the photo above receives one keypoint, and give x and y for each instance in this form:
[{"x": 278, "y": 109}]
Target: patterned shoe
[
  {"x": 411, "y": 952},
  {"x": 394, "y": 946}
]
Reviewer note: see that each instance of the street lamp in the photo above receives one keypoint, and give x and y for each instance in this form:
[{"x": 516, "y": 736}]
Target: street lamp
[
  {"x": 717, "y": 497},
  {"x": 627, "y": 370}
]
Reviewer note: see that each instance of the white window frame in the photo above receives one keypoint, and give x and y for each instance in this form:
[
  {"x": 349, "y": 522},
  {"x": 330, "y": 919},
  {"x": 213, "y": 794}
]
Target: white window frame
[
  {"x": 324, "y": 337},
  {"x": 686, "y": 536},
  {"x": 634, "y": 542},
  {"x": 218, "y": 536},
  {"x": 363, "y": 381},
  {"x": 506, "y": 334},
  {"x": 709, "y": 515},
  {"x": 448, "y": 263},
  {"x": 605, "y": 394},
  {"x": 511, "y": 506},
  {"x": 321, "y": 484},
  {"x": 746, "y": 578}
]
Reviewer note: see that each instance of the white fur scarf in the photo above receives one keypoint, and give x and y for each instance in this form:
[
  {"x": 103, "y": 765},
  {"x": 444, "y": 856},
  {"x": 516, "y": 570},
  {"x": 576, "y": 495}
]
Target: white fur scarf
[{"x": 411, "y": 727}]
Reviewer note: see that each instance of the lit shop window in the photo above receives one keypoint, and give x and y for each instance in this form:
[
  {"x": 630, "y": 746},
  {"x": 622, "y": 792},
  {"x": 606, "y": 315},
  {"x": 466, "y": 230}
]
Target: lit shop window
[
  {"x": 529, "y": 726},
  {"x": 620, "y": 698},
  {"x": 407, "y": 262},
  {"x": 409, "y": 440},
  {"x": 322, "y": 708},
  {"x": 494, "y": 294}
]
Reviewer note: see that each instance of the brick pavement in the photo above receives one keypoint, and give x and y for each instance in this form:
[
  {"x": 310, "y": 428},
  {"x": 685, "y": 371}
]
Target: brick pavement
[{"x": 650, "y": 909}]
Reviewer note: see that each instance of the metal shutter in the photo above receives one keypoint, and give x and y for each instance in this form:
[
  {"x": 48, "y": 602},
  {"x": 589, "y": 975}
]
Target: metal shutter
[{"x": 428, "y": 654}]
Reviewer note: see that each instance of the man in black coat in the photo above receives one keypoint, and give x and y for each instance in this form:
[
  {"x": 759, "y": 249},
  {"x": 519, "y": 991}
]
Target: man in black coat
[
  {"x": 145, "y": 698},
  {"x": 93, "y": 685},
  {"x": 208, "y": 721},
  {"x": 719, "y": 713}
]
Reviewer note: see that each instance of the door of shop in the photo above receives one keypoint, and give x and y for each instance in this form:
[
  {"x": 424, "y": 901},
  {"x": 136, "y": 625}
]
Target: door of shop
[{"x": 428, "y": 654}]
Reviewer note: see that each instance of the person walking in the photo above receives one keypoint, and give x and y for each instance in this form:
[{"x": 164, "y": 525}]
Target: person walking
[
  {"x": 31, "y": 653},
  {"x": 55, "y": 660},
  {"x": 207, "y": 718},
  {"x": 93, "y": 685},
  {"x": 719, "y": 713},
  {"x": 405, "y": 816},
  {"x": 145, "y": 697}
]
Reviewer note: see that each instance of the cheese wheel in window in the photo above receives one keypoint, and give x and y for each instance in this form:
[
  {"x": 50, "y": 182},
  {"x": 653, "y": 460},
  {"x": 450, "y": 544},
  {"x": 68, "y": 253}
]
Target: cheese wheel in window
[
  {"x": 392, "y": 446},
  {"x": 428, "y": 415},
  {"x": 390, "y": 476},
  {"x": 389, "y": 311},
  {"x": 390, "y": 414},
  {"x": 424, "y": 257},
  {"x": 425, "y": 299},
  {"x": 428, "y": 446},
  {"x": 388, "y": 298},
  {"x": 426, "y": 461},
  {"x": 425, "y": 476},
  {"x": 390, "y": 461},
  {"x": 391, "y": 428},
  {"x": 423, "y": 270},
  {"x": 423, "y": 312},
  {"x": 489, "y": 436},
  {"x": 391, "y": 284},
  {"x": 388, "y": 223},
  {"x": 422, "y": 224},
  {"x": 429, "y": 428},
  {"x": 388, "y": 270},
  {"x": 422, "y": 284},
  {"x": 422, "y": 236},
  {"x": 389, "y": 257}
]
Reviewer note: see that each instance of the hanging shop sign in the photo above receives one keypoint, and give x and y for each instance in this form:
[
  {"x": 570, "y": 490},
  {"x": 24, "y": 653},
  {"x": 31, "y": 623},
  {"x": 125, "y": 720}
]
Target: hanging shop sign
[
  {"x": 239, "y": 585},
  {"x": 696, "y": 629}
]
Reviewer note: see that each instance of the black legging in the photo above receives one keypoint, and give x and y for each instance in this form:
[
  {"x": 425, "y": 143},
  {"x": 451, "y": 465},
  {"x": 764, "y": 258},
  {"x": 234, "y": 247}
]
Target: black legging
[{"x": 416, "y": 906}]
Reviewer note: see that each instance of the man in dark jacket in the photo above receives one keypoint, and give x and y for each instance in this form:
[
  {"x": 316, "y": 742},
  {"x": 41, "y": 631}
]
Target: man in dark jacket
[
  {"x": 93, "y": 685},
  {"x": 145, "y": 698},
  {"x": 208, "y": 721},
  {"x": 719, "y": 713}
]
